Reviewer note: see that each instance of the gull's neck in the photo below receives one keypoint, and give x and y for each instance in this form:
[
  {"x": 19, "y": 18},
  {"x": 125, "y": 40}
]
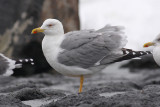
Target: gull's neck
[
  {"x": 156, "y": 54},
  {"x": 50, "y": 41},
  {"x": 53, "y": 39},
  {"x": 51, "y": 46}
]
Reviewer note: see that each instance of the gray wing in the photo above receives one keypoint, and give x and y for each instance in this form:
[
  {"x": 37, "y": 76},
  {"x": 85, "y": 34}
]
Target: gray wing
[{"x": 88, "y": 48}]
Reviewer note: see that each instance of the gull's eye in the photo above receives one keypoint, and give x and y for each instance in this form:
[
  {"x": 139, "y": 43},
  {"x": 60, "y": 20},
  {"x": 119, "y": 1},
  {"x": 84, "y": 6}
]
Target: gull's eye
[{"x": 50, "y": 25}]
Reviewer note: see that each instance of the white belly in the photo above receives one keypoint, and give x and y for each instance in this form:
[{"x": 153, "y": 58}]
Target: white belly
[
  {"x": 65, "y": 70},
  {"x": 156, "y": 54},
  {"x": 51, "y": 51}
]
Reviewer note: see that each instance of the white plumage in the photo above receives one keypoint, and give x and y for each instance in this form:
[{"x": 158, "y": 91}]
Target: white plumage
[
  {"x": 84, "y": 52},
  {"x": 156, "y": 54},
  {"x": 156, "y": 49}
]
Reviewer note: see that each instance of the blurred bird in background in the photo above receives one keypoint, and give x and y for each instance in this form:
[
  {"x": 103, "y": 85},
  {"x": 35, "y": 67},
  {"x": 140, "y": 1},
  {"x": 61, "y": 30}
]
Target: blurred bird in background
[
  {"x": 7, "y": 65},
  {"x": 156, "y": 49}
]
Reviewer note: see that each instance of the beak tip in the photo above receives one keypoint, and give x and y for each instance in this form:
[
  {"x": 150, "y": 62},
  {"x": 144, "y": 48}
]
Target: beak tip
[
  {"x": 144, "y": 46},
  {"x": 37, "y": 30},
  {"x": 148, "y": 44},
  {"x": 33, "y": 32}
]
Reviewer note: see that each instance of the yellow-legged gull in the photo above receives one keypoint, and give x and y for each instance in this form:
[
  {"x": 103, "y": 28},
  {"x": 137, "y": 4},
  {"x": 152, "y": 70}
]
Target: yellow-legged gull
[
  {"x": 83, "y": 52},
  {"x": 156, "y": 49}
]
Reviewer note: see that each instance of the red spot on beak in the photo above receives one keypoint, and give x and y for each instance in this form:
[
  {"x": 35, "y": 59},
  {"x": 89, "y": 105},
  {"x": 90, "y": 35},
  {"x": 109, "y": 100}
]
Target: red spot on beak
[{"x": 35, "y": 32}]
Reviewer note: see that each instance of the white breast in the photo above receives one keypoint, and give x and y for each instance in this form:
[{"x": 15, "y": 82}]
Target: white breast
[
  {"x": 51, "y": 49},
  {"x": 156, "y": 54}
]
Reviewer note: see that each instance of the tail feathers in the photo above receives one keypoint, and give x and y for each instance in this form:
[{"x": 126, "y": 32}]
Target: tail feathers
[
  {"x": 130, "y": 54},
  {"x": 21, "y": 62}
]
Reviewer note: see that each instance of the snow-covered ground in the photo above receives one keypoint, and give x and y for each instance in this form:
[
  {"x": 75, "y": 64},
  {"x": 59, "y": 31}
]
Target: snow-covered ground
[{"x": 141, "y": 18}]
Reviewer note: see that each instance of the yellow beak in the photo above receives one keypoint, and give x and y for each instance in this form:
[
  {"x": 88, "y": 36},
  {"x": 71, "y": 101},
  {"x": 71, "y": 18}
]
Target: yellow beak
[
  {"x": 148, "y": 44},
  {"x": 37, "y": 30}
]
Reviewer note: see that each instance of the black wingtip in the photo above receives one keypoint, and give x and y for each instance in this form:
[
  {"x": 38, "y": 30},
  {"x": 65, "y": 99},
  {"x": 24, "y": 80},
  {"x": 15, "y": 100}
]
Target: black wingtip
[{"x": 130, "y": 54}]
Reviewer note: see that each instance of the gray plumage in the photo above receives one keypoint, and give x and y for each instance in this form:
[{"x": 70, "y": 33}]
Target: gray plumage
[{"x": 87, "y": 48}]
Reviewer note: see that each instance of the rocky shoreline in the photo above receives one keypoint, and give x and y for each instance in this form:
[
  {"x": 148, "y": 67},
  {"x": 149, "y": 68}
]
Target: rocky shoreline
[{"x": 100, "y": 90}]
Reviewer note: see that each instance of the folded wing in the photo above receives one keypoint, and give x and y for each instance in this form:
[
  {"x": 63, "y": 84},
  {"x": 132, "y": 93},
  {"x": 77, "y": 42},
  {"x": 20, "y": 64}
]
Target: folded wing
[{"x": 88, "y": 48}]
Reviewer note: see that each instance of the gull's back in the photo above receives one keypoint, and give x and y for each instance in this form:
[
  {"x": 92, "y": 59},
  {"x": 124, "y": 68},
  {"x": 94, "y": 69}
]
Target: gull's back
[{"x": 88, "y": 48}]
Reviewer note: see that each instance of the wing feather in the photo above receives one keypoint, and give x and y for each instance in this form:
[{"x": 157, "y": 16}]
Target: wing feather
[{"x": 86, "y": 47}]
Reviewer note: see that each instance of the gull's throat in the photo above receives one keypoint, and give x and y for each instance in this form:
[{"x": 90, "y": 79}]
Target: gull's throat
[
  {"x": 156, "y": 54},
  {"x": 51, "y": 48}
]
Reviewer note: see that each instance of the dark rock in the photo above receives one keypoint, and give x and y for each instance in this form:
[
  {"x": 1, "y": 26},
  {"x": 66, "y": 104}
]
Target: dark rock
[
  {"x": 151, "y": 89},
  {"x": 18, "y": 18},
  {"x": 15, "y": 87},
  {"x": 148, "y": 97},
  {"x": 115, "y": 87},
  {"x": 29, "y": 94},
  {"x": 150, "y": 77},
  {"x": 146, "y": 62},
  {"x": 129, "y": 99},
  {"x": 60, "y": 91},
  {"x": 5, "y": 80},
  {"x": 75, "y": 100},
  {"x": 11, "y": 84},
  {"x": 54, "y": 93},
  {"x": 9, "y": 101},
  {"x": 92, "y": 97}
]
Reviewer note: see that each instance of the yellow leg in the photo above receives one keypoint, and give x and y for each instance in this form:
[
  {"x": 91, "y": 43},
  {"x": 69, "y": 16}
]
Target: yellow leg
[{"x": 81, "y": 83}]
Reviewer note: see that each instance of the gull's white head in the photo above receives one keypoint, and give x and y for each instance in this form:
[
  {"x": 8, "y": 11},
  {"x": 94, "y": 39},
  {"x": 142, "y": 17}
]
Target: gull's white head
[
  {"x": 50, "y": 27},
  {"x": 155, "y": 42}
]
